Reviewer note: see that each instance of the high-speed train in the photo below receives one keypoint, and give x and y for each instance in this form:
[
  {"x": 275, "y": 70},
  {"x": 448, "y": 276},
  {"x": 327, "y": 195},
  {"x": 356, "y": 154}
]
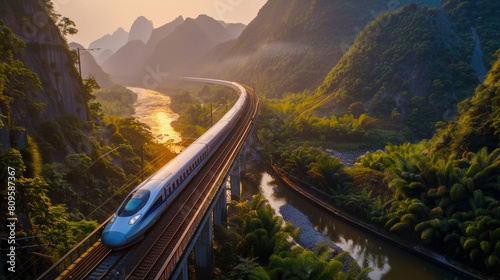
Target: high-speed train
[{"x": 146, "y": 203}]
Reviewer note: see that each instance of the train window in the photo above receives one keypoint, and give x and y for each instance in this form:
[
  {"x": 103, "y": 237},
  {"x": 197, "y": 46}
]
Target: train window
[
  {"x": 157, "y": 202},
  {"x": 134, "y": 203}
]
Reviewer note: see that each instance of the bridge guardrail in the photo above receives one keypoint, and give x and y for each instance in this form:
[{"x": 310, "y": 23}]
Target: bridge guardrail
[{"x": 70, "y": 257}]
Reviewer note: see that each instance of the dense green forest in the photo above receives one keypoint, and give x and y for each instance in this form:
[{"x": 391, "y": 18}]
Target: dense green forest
[
  {"x": 257, "y": 244},
  {"x": 481, "y": 16},
  {"x": 287, "y": 124},
  {"x": 413, "y": 66}
]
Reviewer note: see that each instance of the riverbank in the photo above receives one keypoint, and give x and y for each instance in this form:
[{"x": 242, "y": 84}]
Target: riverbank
[
  {"x": 309, "y": 237},
  {"x": 388, "y": 237}
]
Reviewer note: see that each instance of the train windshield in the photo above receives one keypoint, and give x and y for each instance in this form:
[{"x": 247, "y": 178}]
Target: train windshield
[{"x": 134, "y": 203}]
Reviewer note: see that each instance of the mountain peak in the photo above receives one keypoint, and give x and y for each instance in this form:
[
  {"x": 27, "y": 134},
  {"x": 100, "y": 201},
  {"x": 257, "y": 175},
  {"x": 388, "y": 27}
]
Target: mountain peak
[
  {"x": 141, "y": 29},
  {"x": 203, "y": 16},
  {"x": 111, "y": 42},
  {"x": 119, "y": 30}
]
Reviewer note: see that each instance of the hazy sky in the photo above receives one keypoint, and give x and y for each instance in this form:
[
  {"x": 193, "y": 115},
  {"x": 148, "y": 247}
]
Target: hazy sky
[{"x": 96, "y": 18}]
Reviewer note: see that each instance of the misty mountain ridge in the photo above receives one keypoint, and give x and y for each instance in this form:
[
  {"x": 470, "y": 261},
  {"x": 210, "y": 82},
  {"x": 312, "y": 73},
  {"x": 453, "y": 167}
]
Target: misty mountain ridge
[
  {"x": 109, "y": 44},
  {"x": 160, "y": 33},
  {"x": 113, "y": 41},
  {"x": 127, "y": 57},
  {"x": 292, "y": 45},
  {"x": 234, "y": 29},
  {"x": 172, "y": 46}
]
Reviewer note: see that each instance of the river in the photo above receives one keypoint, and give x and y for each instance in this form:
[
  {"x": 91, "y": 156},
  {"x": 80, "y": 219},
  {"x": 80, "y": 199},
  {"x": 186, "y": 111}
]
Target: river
[
  {"x": 388, "y": 261},
  {"x": 152, "y": 108}
]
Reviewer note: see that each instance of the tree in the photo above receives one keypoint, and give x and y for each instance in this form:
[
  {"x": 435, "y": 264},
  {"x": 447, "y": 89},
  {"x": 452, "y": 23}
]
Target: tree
[
  {"x": 328, "y": 173},
  {"x": 357, "y": 108},
  {"x": 15, "y": 79},
  {"x": 67, "y": 26}
]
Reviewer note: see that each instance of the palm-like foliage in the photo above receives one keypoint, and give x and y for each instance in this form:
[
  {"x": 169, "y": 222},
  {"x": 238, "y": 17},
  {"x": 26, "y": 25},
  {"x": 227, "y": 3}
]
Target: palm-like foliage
[
  {"x": 304, "y": 264},
  {"x": 261, "y": 229},
  {"x": 329, "y": 174},
  {"x": 450, "y": 203}
]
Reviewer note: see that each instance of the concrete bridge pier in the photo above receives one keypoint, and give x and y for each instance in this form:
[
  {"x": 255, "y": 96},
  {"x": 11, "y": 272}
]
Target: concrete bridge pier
[
  {"x": 243, "y": 158},
  {"x": 235, "y": 178},
  {"x": 203, "y": 252},
  {"x": 220, "y": 209},
  {"x": 184, "y": 275}
]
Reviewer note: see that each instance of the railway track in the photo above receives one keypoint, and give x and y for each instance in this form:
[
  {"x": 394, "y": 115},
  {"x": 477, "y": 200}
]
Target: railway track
[
  {"x": 87, "y": 262},
  {"x": 164, "y": 246}
]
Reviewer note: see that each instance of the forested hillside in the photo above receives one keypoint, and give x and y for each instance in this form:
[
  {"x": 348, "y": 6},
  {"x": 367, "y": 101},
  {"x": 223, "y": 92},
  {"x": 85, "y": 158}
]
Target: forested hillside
[
  {"x": 478, "y": 123},
  {"x": 413, "y": 66},
  {"x": 446, "y": 191}
]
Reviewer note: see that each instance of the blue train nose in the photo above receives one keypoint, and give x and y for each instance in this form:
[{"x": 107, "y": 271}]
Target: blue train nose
[{"x": 114, "y": 239}]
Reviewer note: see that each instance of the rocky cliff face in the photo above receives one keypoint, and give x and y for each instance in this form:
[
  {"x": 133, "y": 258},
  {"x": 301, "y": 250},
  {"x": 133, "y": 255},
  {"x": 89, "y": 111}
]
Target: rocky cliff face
[{"x": 47, "y": 55}]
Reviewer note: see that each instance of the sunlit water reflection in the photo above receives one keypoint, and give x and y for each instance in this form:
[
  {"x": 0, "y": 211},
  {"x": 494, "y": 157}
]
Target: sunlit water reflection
[{"x": 153, "y": 109}]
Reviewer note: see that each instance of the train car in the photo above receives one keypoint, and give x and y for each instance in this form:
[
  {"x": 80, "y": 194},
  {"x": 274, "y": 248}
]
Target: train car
[{"x": 147, "y": 202}]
